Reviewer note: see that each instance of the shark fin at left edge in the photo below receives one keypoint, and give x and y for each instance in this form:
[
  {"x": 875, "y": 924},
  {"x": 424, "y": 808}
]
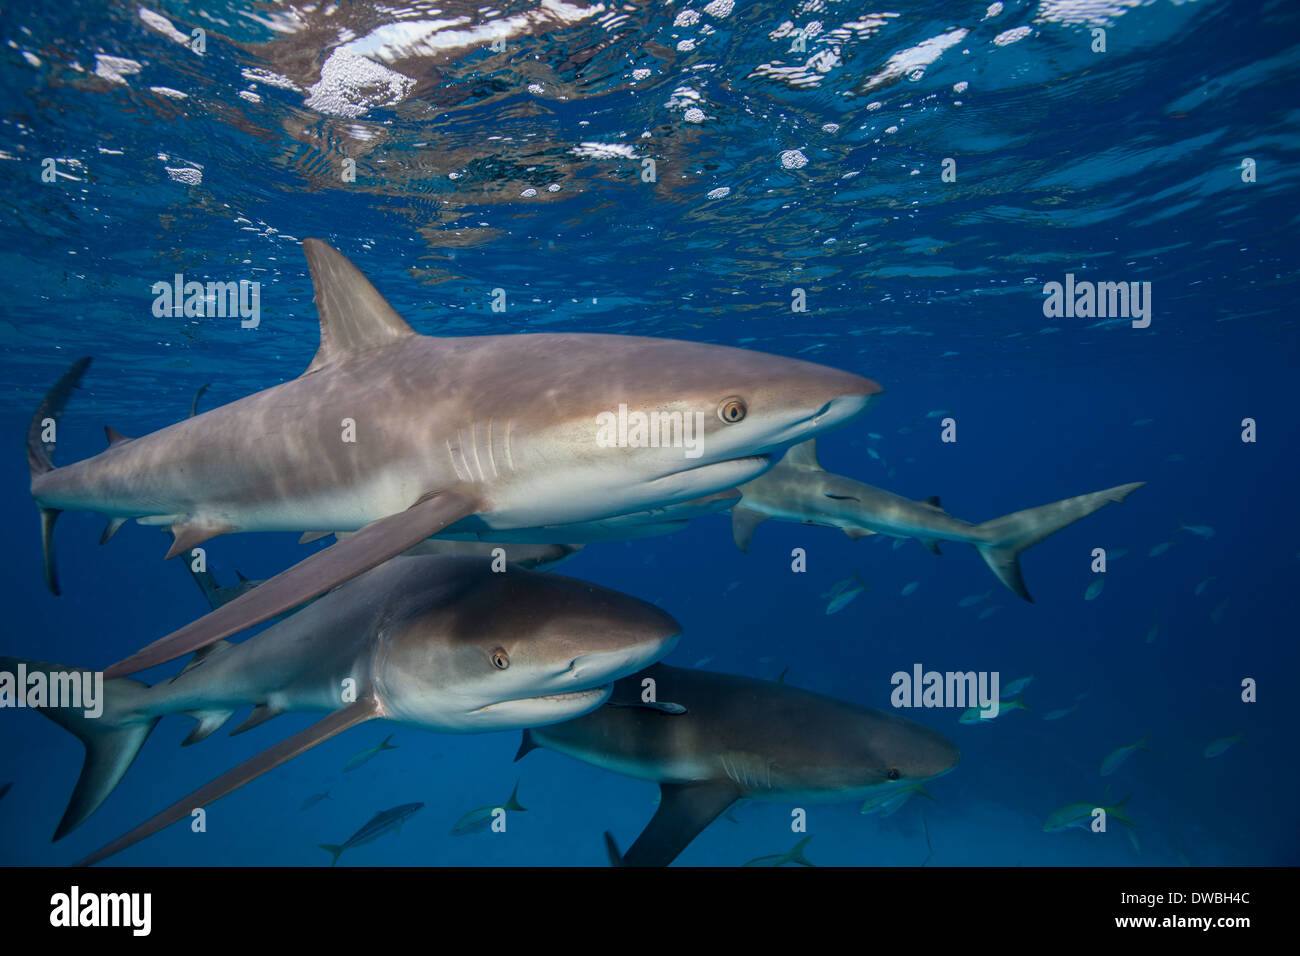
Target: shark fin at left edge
[{"x": 337, "y": 722}]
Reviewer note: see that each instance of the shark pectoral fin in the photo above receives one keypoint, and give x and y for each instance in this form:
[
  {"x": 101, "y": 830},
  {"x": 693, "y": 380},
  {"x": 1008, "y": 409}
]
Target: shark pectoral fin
[
  {"x": 193, "y": 532},
  {"x": 930, "y": 545},
  {"x": 684, "y": 811},
  {"x": 337, "y": 722},
  {"x": 743, "y": 523},
  {"x": 309, "y": 578},
  {"x": 48, "y": 517},
  {"x": 526, "y": 746},
  {"x": 856, "y": 533}
]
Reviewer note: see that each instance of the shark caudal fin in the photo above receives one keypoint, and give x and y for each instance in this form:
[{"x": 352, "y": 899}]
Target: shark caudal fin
[
  {"x": 106, "y": 721},
  {"x": 43, "y": 423},
  {"x": 333, "y": 849},
  {"x": 1003, "y": 539}
]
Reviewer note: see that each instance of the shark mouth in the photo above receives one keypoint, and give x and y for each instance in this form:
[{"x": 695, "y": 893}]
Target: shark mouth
[
  {"x": 756, "y": 460},
  {"x": 568, "y": 697}
]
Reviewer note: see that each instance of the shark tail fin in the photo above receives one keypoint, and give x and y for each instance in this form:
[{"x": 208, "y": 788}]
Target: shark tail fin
[
  {"x": 39, "y": 461},
  {"x": 1003, "y": 539},
  {"x": 333, "y": 849},
  {"x": 386, "y": 745},
  {"x": 796, "y": 855},
  {"x": 112, "y": 737},
  {"x": 513, "y": 803}
]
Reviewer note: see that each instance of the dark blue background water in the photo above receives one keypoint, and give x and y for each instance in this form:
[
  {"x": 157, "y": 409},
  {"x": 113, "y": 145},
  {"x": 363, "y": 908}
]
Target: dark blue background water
[{"x": 1119, "y": 166}]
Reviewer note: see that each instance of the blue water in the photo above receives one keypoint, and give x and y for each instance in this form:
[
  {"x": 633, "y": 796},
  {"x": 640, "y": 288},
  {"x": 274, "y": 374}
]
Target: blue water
[{"x": 1117, "y": 166}]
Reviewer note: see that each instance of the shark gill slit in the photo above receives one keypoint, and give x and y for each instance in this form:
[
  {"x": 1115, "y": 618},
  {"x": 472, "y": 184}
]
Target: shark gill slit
[
  {"x": 510, "y": 460},
  {"x": 492, "y": 458},
  {"x": 478, "y": 460},
  {"x": 451, "y": 455}
]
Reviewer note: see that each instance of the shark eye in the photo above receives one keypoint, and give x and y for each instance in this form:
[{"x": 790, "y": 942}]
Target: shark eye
[
  {"x": 500, "y": 659},
  {"x": 731, "y": 410},
  {"x": 893, "y": 773}
]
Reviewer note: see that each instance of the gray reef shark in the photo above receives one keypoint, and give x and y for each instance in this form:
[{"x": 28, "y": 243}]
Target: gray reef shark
[
  {"x": 723, "y": 738},
  {"x": 799, "y": 489},
  {"x": 399, "y": 436},
  {"x": 442, "y": 643}
]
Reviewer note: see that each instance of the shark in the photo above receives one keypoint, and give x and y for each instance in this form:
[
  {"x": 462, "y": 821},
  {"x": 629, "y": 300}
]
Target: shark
[
  {"x": 399, "y": 436},
  {"x": 709, "y": 739},
  {"x": 438, "y": 642},
  {"x": 799, "y": 489}
]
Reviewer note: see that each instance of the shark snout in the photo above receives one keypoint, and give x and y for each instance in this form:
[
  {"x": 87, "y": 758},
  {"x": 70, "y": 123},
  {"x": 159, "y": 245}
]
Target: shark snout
[{"x": 599, "y": 667}]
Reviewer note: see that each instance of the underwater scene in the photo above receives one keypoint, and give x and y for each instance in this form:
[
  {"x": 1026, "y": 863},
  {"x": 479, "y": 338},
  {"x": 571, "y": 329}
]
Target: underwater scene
[{"x": 725, "y": 433}]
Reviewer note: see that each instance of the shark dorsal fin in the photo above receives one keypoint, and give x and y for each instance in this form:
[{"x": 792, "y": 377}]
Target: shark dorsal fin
[
  {"x": 803, "y": 455},
  {"x": 933, "y": 500},
  {"x": 353, "y": 315},
  {"x": 114, "y": 437}
]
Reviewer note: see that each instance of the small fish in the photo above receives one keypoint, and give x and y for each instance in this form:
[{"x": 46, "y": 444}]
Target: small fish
[
  {"x": 731, "y": 587},
  {"x": 889, "y": 801},
  {"x": 910, "y": 588},
  {"x": 479, "y": 820},
  {"x": 1060, "y": 712},
  {"x": 1175, "y": 457},
  {"x": 1078, "y": 816},
  {"x": 1120, "y": 754},
  {"x": 357, "y": 759},
  {"x": 1200, "y": 530},
  {"x": 1159, "y": 549},
  {"x": 939, "y": 413},
  {"x": 972, "y": 599},
  {"x": 794, "y": 855},
  {"x": 989, "y": 612},
  {"x": 702, "y": 661},
  {"x": 1138, "y": 423},
  {"x": 314, "y": 799},
  {"x": 1217, "y": 614},
  {"x": 1116, "y": 554},
  {"x": 899, "y": 542},
  {"x": 1201, "y": 587},
  {"x": 843, "y": 598},
  {"x": 1153, "y": 632},
  {"x": 1094, "y": 589},
  {"x": 380, "y": 823},
  {"x": 1216, "y": 747},
  {"x": 1016, "y": 686},
  {"x": 972, "y": 715},
  {"x": 873, "y": 453},
  {"x": 877, "y": 436}
]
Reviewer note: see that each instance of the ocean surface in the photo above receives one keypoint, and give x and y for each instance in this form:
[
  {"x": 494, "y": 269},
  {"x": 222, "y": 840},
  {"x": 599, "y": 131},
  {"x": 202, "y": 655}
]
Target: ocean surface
[{"x": 795, "y": 146}]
